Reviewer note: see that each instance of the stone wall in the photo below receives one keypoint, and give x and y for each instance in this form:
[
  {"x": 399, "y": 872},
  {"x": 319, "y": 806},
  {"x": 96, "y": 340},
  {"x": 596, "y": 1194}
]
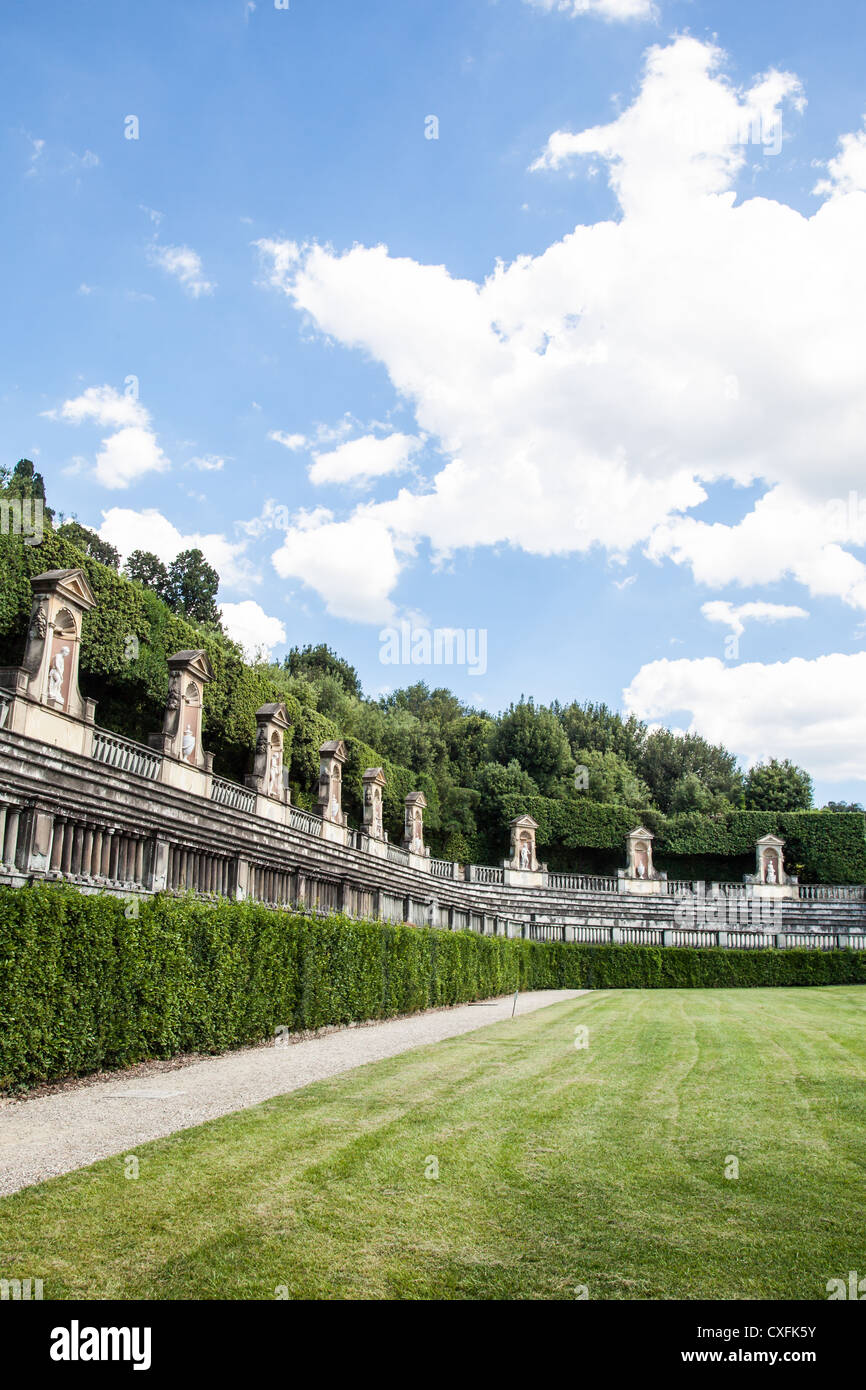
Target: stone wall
[{"x": 82, "y": 805}]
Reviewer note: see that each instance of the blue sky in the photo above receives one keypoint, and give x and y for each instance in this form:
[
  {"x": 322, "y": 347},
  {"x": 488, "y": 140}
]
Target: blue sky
[{"x": 648, "y": 417}]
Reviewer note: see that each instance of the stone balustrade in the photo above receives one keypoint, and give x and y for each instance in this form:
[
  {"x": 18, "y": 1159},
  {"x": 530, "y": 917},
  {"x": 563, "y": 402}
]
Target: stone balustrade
[{"x": 81, "y": 804}]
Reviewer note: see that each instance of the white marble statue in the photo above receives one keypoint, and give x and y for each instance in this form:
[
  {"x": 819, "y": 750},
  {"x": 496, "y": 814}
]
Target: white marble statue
[
  {"x": 641, "y": 869},
  {"x": 771, "y": 871},
  {"x": 335, "y": 809},
  {"x": 525, "y": 856},
  {"x": 275, "y": 782},
  {"x": 188, "y": 745},
  {"x": 55, "y": 674}
]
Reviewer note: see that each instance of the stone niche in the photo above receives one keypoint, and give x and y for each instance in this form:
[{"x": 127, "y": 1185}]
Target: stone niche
[
  {"x": 522, "y": 868},
  {"x": 769, "y": 878},
  {"x": 332, "y": 756},
  {"x": 639, "y": 874},
  {"x": 374, "y": 786},
  {"x": 415, "y": 805},
  {"x": 267, "y": 777},
  {"x": 48, "y": 704},
  {"x": 181, "y": 737}
]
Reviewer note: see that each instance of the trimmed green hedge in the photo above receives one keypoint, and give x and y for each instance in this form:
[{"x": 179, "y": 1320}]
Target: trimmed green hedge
[
  {"x": 89, "y": 982},
  {"x": 590, "y": 836}
]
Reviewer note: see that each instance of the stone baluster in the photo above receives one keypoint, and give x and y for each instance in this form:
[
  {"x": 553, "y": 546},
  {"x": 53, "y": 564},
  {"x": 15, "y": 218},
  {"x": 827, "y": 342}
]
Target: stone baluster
[
  {"x": 10, "y": 843},
  {"x": 87, "y": 852}
]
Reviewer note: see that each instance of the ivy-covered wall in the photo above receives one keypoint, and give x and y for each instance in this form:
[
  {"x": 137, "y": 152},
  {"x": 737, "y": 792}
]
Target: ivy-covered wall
[
  {"x": 126, "y": 641},
  {"x": 589, "y": 837}
]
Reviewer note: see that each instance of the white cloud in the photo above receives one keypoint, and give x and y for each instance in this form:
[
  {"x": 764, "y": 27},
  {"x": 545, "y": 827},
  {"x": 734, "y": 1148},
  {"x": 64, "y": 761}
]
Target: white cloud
[
  {"x": 811, "y": 711},
  {"x": 847, "y": 170},
  {"x": 208, "y": 463},
  {"x": 293, "y": 442},
  {"x": 604, "y": 9},
  {"x": 360, "y": 460},
  {"x": 132, "y": 451},
  {"x": 735, "y": 616},
  {"x": 249, "y": 625},
  {"x": 583, "y": 397},
  {"x": 37, "y": 149},
  {"x": 185, "y": 265},
  {"x": 127, "y": 456},
  {"x": 148, "y": 529},
  {"x": 352, "y": 564}
]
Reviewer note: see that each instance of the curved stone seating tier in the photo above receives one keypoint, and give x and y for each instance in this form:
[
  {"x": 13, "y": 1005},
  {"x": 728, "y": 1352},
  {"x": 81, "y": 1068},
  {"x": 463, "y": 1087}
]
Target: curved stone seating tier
[{"x": 81, "y": 804}]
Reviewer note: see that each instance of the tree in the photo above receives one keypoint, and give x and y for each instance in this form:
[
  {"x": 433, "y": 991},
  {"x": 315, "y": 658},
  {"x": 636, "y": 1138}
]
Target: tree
[
  {"x": 690, "y": 794},
  {"x": 840, "y": 806},
  {"x": 778, "y": 786},
  {"x": 667, "y": 757},
  {"x": 535, "y": 738},
  {"x": 598, "y": 727},
  {"x": 312, "y": 663},
  {"x": 609, "y": 778},
  {"x": 92, "y": 544},
  {"x": 147, "y": 569},
  {"x": 25, "y": 482},
  {"x": 192, "y": 588}
]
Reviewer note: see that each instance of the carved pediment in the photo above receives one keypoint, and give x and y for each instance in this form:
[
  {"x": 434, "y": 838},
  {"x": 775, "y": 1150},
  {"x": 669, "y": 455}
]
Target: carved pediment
[
  {"x": 69, "y": 585},
  {"x": 193, "y": 663},
  {"x": 273, "y": 714},
  {"x": 336, "y": 748}
]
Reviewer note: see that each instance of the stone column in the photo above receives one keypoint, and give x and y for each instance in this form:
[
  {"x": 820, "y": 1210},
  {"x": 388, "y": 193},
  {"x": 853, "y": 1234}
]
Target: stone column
[
  {"x": 181, "y": 737},
  {"x": 96, "y": 856},
  {"x": 332, "y": 756},
  {"x": 266, "y": 778},
  {"x": 48, "y": 674},
  {"x": 414, "y": 806},
  {"x": 374, "y": 784},
  {"x": 10, "y": 846}
]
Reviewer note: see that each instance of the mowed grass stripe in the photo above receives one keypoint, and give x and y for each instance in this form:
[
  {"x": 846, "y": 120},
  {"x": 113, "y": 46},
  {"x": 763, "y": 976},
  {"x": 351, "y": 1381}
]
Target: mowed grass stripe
[{"x": 558, "y": 1167}]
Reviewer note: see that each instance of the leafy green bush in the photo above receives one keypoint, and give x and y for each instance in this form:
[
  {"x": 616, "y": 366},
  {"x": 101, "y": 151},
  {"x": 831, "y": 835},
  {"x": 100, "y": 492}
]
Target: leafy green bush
[
  {"x": 831, "y": 848},
  {"x": 87, "y": 983}
]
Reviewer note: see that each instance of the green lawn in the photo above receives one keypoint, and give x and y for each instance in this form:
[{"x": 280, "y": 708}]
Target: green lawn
[{"x": 558, "y": 1167}]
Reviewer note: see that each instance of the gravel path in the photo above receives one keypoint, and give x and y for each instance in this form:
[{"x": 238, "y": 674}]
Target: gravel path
[{"x": 113, "y": 1113}]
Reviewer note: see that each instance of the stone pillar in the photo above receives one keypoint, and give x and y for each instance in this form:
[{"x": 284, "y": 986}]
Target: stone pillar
[
  {"x": 522, "y": 869},
  {"x": 107, "y": 841},
  {"x": 68, "y": 844},
  {"x": 39, "y": 826},
  {"x": 48, "y": 675},
  {"x": 87, "y": 852},
  {"x": 523, "y": 858},
  {"x": 266, "y": 778},
  {"x": 769, "y": 861},
  {"x": 374, "y": 783},
  {"x": 181, "y": 737},
  {"x": 639, "y": 875},
  {"x": 413, "y": 824},
  {"x": 332, "y": 756}
]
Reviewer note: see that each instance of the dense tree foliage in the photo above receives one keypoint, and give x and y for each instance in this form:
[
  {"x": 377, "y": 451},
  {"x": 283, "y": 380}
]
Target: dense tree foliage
[
  {"x": 317, "y": 662},
  {"x": 188, "y": 585},
  {"x": 778, "y": 786},
  {"x": 92, "y": 544}
]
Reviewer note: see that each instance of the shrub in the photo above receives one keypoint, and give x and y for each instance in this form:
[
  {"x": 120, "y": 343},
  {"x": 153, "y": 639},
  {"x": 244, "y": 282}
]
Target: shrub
[{"x": 87, "y": 984}]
